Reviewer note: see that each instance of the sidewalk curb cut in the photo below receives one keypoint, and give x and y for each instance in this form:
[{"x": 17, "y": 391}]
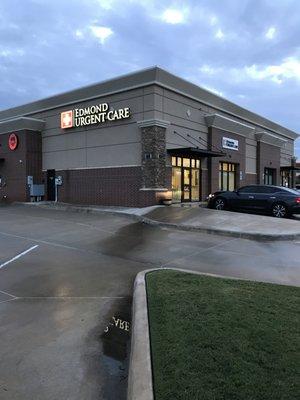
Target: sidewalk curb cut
[{"x": 188, "y": 228}]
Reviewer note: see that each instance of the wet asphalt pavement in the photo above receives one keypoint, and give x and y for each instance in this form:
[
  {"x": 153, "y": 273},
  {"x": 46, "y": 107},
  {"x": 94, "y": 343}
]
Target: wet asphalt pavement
[{"x": 65, "y": 305}]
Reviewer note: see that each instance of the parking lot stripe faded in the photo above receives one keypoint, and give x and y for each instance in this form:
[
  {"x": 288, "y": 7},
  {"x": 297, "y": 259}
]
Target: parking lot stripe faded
[{"x": 18, "y": 256}]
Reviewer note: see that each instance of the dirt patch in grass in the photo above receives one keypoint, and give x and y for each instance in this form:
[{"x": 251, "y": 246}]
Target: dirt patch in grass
[{"x": 215, "y": 338}]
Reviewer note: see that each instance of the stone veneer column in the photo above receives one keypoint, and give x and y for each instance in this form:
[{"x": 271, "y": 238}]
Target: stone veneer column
[{"x": 154, "y": 157}]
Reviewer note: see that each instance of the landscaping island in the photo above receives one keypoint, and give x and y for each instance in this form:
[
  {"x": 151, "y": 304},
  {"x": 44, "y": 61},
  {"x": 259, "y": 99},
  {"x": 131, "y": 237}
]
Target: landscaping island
[{"x": 214, "y": 338}]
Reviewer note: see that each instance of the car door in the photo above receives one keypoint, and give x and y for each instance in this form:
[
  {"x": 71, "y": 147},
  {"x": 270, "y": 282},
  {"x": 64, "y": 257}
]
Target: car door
[
  {"x": 244, "y": 197},
  {"x": 264, "y": 197}
]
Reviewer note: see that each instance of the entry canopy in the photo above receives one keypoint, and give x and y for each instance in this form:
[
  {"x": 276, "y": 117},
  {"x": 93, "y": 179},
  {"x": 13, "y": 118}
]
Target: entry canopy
[
  {"x": 290, "y": 168},
  {"x": 195, "y": 152}
]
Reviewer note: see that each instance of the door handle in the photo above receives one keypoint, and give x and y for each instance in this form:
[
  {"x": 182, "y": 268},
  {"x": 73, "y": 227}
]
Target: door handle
[
  {"x": 251, "y": 197},
  {"x": 272, "y": 197}
]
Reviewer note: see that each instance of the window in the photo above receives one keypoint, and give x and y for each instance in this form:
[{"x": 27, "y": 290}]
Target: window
[
  {"x": 266, "y": 190},
  {"x": 186, "y": 162},
  {"x": 227, "y": 176},
  {"x": 248, "y": 189}
]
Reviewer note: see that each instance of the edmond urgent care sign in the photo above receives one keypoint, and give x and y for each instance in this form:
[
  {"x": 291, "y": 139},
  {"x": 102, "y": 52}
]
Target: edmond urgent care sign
[{"x": 97, "y": 114}]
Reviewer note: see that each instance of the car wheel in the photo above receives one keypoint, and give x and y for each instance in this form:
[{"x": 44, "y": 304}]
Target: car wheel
[
  {"x": 279, "y": 211},
  {"x": 220, "y": 204}
]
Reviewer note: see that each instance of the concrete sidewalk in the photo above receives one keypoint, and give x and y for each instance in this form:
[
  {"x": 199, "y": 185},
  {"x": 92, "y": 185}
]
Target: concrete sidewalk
[
  {"x": 250, "y": 226},
  {"x": 235, "y": 224}
]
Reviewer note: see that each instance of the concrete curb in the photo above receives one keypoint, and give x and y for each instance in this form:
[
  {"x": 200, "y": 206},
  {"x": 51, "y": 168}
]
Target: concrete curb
[
  {"x": 188, "y": 228},
  {"x": 140, "y": 369},
  {"x": 140, "y": 383}
]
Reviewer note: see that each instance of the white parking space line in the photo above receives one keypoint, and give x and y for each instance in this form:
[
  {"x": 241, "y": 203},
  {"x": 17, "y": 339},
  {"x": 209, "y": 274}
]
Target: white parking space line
[
  {"x": 8, "y": 301},
  {"x": 8, "y": 294},
  {"x": 18, "y": 256}
]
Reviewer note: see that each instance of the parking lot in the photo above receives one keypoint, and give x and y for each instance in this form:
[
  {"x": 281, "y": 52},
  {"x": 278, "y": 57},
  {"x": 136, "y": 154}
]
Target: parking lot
[{"x": 66, "y": 276}]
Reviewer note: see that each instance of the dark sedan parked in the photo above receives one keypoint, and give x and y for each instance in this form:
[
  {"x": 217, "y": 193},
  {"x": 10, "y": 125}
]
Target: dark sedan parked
[{"x": 276, "y": 200}]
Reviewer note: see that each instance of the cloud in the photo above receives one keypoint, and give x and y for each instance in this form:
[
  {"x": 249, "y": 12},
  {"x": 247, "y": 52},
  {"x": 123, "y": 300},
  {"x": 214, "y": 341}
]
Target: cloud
[
  {"x": 270, "y": 33},
  {"x": 10, "y": 53},
  {"x": 213, "y": 90},
  {"x": 174, "y": 16},
  {"x": 79, "y": 34},
  {"x": 213, "y": 20},
  {"x": 101, "y": 32},
  {"x": 289, "y": 68},
  {"x": 106, "y": 4},
  {"x": 219, "y": 34},
  {"x": 208, "y": 69}
]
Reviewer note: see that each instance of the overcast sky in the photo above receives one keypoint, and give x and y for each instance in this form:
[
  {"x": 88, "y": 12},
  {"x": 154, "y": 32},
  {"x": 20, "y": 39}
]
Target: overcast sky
[{"x": 245, "y": 50}]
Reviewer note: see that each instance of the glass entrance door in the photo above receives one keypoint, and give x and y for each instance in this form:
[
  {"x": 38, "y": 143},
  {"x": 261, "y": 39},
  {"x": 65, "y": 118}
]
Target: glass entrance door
[
  {"x": 195, "y": 184},
  {"x": 186, "y": 184},
  {"x": 176, "y": 184},
  {"x": 270, "y": 176},
  {"x": 185, "y": 179}
]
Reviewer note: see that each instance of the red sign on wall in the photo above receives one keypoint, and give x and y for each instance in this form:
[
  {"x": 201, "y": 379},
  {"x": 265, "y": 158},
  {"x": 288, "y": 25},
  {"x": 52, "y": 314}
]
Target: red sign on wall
[
  {"x": 13, "y": 141},
  {"x": 66, "y": 119}
]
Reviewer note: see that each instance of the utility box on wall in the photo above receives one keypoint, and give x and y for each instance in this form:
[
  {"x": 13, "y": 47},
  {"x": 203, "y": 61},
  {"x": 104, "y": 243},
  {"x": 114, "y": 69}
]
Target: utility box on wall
[{"x": 37, "y": 192}]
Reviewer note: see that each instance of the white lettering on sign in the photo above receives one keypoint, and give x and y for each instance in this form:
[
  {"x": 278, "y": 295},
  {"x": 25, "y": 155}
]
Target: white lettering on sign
[
  {"x": 228, "y": 143},
  {"x": 97, "y": 114},
  {"x": 124, "y": 325}
]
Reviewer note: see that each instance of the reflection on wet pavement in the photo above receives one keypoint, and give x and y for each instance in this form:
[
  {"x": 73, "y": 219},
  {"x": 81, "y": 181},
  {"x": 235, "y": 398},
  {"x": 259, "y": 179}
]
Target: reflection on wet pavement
[
  {"x": 116, "y": 348},
  {"x": 124, "y": 240}
]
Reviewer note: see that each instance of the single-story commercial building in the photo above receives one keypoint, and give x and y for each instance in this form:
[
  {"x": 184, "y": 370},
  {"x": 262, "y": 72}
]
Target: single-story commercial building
[{"x": 135, "y": 140}]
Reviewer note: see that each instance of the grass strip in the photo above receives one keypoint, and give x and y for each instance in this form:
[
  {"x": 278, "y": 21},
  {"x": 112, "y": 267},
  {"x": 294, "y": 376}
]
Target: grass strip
[{"x": 215, "y": 338}]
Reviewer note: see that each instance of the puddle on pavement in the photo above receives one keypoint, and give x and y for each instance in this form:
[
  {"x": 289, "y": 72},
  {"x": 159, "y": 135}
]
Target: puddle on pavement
[{"x": 115, "y": 340}]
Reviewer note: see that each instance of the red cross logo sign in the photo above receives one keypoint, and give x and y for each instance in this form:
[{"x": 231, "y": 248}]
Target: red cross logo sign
[
  {"x": 66, "y": 119},
  {"x": 13, "y": 141}
]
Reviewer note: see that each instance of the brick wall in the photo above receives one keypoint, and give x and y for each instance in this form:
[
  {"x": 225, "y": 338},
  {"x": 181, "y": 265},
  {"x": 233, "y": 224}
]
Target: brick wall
[
  {"x": 250, "y": 179},
  {"x": 18, "y": 164},
  {"x": 268, "y": 156},
  {"x": 104, "y": 186}
]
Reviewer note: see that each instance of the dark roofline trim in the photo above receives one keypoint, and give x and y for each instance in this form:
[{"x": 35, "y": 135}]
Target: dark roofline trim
[
  {"x": 289, "y": 134},
  {"x": 290, "y": 168},
  {"x": 196, "y": 151}
]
